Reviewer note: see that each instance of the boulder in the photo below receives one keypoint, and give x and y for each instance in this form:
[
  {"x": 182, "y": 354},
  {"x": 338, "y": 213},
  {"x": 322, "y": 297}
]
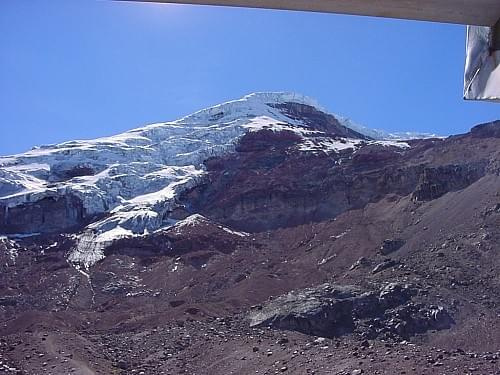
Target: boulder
[
  {"x": 330, "y": 310},
  {"x": 387, "y": 263},
  {"x": 391, "y": 245}
]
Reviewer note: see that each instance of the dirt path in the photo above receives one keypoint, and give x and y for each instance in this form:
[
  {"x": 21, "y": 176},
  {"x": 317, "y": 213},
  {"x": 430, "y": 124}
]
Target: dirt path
[{"x": 79, "y": 366}]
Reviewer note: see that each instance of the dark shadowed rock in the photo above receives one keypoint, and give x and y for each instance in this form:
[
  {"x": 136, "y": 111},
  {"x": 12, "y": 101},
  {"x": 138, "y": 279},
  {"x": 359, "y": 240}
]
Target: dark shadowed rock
[
  {"x": 391, "y": 245},
  {"x": 49, "y": 215},
  {"x": 361, "y": 262},
  {"x": 323, "y": 311},
  {"x": 395, "y": 294},
  {"x": 435, "y": 182},
  {"x": 334, "y": 310}
]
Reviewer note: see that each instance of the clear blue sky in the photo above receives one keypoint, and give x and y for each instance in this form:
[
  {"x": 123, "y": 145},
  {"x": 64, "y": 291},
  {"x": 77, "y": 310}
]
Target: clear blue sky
[{"x": 83, "y": 69}]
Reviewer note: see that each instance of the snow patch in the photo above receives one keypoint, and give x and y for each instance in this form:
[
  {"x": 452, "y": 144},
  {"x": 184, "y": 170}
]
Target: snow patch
[
  {"x": 235, "y": 232},
  {"x": 191, "y": 221},
  {"x": 197, "y": 219},
  {"x": 11, "y": 248},
  {"x": 399, "y": 144},
  {"x": 329, "y": 145},
  {"x": 383, "y": 135}
]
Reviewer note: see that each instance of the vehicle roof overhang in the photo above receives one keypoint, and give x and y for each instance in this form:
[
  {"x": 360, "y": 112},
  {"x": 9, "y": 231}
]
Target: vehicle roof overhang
[{"x": 467, "y": 12}]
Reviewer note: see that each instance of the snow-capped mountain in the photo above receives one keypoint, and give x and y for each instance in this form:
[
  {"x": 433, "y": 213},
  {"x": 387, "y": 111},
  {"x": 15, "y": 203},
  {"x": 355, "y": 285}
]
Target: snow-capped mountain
[
  {"x": 261, "y": 223},
  {"x": 128, "y": 183}
]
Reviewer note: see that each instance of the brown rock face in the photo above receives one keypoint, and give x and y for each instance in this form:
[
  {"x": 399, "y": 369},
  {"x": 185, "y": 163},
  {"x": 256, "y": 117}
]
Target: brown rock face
[
  {"x": 319, "y": 120},
  {"x": 50, "y": 215},
  {"x": 266, "y": 184},
  {"x": 435, "y": 182}
]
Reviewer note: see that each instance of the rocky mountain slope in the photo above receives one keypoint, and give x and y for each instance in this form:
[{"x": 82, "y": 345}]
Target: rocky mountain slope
[{"x": 262, "y": 235}]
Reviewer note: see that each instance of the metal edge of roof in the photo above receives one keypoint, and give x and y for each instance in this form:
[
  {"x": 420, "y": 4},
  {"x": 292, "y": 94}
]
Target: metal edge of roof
[{"x": 466, "y": 12}]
